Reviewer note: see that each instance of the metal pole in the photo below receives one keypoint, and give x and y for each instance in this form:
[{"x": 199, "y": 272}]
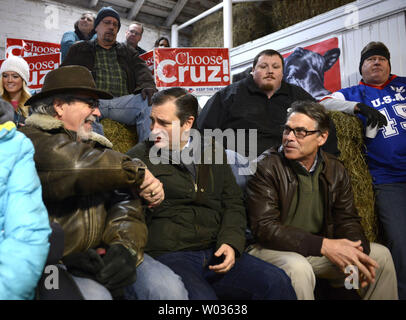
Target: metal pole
[
  {"x": 228, "y": 23},
  {"x": 174, "y": 36},
  {"x": 201, "y": 16}
]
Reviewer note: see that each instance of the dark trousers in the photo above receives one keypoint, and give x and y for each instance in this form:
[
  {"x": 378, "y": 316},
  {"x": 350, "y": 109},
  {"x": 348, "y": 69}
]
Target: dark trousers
[
  {"x": 391, "y": 203},
  {"x": 249, "y": 279}
]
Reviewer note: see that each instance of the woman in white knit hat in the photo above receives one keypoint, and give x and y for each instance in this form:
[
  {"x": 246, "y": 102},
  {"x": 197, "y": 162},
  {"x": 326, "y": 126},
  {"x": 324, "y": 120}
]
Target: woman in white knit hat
[{"x": 15, "y": 74}]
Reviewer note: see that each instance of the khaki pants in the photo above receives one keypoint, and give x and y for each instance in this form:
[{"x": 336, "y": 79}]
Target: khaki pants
[{"x": 303, "y": 272}]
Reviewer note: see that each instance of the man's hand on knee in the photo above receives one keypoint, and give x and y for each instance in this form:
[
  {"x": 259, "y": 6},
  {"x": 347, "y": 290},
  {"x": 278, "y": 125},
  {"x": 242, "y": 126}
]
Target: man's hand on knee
[{"x": 343, "y": 252}]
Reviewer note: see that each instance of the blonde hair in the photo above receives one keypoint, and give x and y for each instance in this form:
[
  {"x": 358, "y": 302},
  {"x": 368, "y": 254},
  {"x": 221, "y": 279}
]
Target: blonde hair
[{"x": 25, "y": 95}]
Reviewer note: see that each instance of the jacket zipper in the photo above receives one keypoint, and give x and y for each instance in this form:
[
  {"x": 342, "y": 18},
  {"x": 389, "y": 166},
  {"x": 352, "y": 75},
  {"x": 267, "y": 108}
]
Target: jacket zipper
[
  {"x": 91, "y": 236},
  {"x": 195, "y": 181}
]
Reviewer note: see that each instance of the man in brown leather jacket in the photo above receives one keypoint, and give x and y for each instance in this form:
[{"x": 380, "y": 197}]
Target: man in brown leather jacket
[
  {"x": 302, "y": 213},
  {"x": 86, "y": 188}
]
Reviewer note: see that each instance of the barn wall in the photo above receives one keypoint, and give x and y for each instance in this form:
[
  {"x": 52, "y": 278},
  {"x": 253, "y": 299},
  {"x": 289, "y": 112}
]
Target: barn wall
[
  {"x": 355, "y": 25},
  {"x": 43, "y": 20}
]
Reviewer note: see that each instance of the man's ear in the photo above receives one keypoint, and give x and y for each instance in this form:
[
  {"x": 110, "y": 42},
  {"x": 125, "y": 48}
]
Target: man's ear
[
  {"x": 189, "y": 122},
  {"x": 322, "y": 138},
  {"x": 97, "y": 28},
  {"x": 59, "y": 107}
]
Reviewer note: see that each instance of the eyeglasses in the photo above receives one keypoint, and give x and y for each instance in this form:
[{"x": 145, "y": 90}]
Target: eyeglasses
[
  {"x": 109, "y": 22},
  {"x": 135, "y": 33},
  {"x": 91, "y": 102},
  {"x": 299, "y": 132}
]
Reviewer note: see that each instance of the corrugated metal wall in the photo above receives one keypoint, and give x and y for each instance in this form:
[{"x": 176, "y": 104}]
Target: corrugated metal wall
[{"x": 390, "y": 30}]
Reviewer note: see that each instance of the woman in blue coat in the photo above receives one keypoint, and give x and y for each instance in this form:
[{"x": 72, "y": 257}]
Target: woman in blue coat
[
  {"x": 83, "y": 31},
  {"x": 24, "y": 225}
]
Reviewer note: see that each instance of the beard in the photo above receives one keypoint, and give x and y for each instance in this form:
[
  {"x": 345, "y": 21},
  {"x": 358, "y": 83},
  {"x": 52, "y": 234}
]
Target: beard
[
  {"x": 267, "y": 87},
  {"x": 109, "y": 37},
  {"x": 84, "y": 133}
]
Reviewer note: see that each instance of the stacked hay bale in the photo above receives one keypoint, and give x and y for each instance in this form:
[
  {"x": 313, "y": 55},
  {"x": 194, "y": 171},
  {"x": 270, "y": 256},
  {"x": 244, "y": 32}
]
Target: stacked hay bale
[
  {"x": 351, "y": 145},
  {"x": 123, "y": 137},
  {"x": 253, "y": 20}
]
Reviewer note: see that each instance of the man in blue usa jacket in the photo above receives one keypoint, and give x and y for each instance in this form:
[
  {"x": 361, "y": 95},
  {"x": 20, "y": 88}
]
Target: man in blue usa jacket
[{"x": 380, "y": 101}]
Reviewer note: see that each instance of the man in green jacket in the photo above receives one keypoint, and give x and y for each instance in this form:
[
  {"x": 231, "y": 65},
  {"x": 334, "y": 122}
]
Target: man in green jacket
[{"x": 199, "y": 229}]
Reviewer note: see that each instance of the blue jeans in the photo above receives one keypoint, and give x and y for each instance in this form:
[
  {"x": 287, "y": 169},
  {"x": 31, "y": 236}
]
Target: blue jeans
[
  {"x": 130, "y": 110},
  {"x": 92, "y": 290},
  {"x": 249, "y": 279},
  {"x": 155, "y": 281},
  {"x": 391, "y": 203}
]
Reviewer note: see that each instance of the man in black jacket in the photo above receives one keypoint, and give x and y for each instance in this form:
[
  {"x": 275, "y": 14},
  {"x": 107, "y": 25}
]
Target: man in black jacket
[
  {"x": 302, "y": 214},
  {"x": 134, "y": 35},
  {"x": 117, "y": 69},
  {"x": 259, "y": 101}
]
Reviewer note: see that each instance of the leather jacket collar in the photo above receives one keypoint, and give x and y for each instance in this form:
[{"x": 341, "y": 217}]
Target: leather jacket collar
[{"x": 48, "y": 123}]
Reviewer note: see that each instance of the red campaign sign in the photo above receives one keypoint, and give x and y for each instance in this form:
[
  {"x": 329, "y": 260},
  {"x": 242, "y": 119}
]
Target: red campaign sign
[
  {"x": 192, "y": 67},
  {"x": 26, "y": 48},
  {"x": 149, "y": 59},
  {"x": 321, "y": 58},
  {"x": 39, "y": 67}
]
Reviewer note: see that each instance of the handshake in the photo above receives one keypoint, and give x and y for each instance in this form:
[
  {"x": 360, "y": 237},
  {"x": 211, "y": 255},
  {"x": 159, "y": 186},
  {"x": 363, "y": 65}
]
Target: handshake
[{"x": 115, "y": 270}]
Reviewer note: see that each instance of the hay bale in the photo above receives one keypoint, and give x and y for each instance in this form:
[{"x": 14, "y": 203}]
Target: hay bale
[
  {"x": 123, "y": 137},
  {"x": 259, "y": 19},
  {"x": 350, "y": 143}
]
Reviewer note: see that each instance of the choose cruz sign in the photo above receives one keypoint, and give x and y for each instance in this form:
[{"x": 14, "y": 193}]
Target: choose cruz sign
[
  {"x": 41, "y": 57},
  {"x": 26, "y": 48},
  {"x": 149, "y": 59},
  {"x": 200, "y": 70},
  {"x": 39, "y": 67}
]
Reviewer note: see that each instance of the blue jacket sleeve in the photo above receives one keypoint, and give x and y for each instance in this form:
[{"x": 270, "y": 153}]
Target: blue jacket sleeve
[
  {"x": 68, "y": 39},
  {"x": 24, "y": 240}
]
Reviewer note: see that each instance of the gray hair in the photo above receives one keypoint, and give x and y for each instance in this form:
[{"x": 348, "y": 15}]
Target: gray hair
[
  {"x": 46, "y": 105},
  {"x": 313, "y": 110}
]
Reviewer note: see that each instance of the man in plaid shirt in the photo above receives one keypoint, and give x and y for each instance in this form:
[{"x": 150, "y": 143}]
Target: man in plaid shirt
[{"x": 118, "y": 70}]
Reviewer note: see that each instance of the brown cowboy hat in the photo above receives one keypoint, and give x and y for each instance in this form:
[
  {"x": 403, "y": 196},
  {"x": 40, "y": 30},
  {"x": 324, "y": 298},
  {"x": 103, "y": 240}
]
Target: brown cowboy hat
[{"x": 69, "y": 79}]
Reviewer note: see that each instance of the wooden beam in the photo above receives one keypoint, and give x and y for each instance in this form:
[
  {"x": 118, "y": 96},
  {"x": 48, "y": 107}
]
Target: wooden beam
[
  {"x": 208, "y": 4},
  {"x": 175, "y": 12},
  {"x": 135, "y": 9},
  {"x": 93, "y": 3},
  {"x": 121, "y": 3}
]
